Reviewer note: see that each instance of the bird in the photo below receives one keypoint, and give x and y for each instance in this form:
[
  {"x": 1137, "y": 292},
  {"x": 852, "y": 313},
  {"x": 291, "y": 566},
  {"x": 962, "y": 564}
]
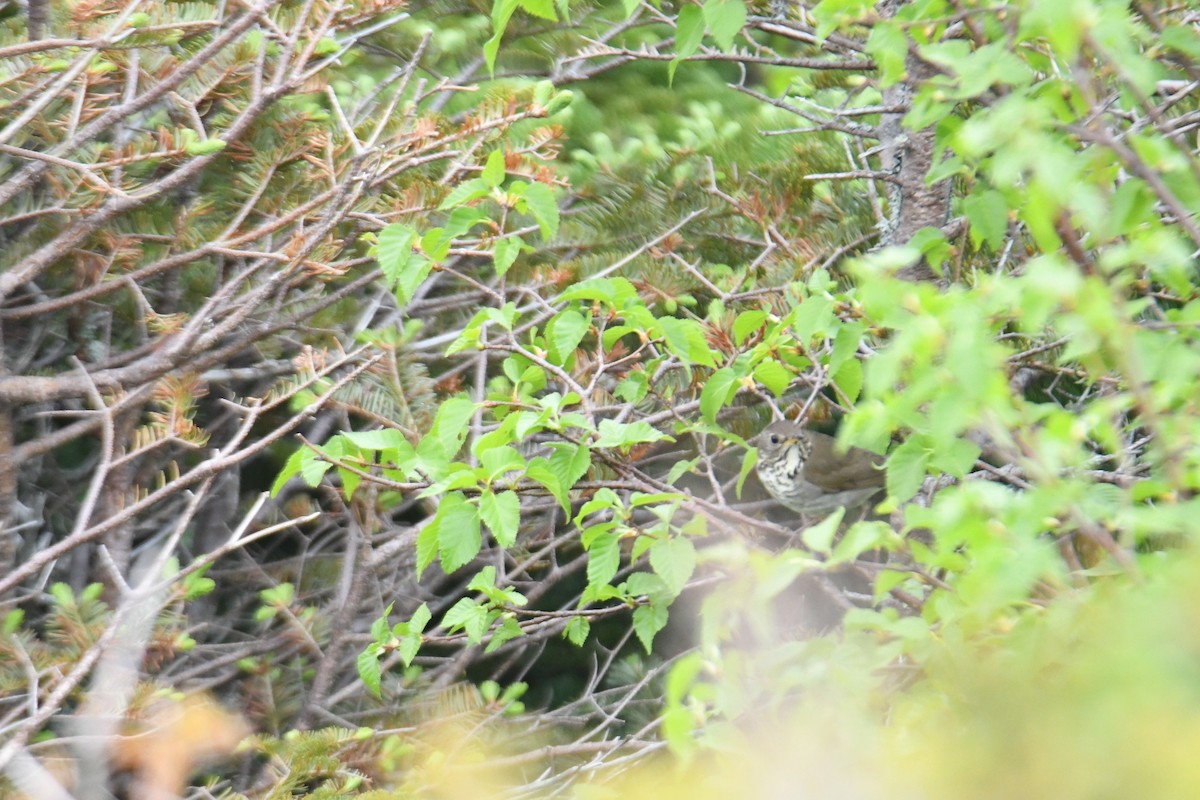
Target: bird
[{"x": 803, "y": 470}]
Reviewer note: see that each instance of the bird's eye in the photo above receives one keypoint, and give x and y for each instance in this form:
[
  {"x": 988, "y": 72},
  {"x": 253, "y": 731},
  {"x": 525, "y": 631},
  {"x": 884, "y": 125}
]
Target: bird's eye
[{"x": 774, "y": 438}]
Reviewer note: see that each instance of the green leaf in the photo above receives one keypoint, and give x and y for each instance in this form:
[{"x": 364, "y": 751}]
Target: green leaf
[
  {"x": 381, "y": 439},
  {"x": 718, "y": 390},
  {"x": 505, "y": 252},
  {"x": 570, "y": 463},
  {"x": 484, "y": 581},
  {"x": 493, "y": 173},
  {"x": 747, "y": 323},
  {"x": 436, "y": 242},
  {"x": 564, "y": 332},
  {"x": 604, "y": 559},
  {"x": 932, "y": 244},
  {"x": 502, "y": 513},
  {"x": 889, "y": 48},
  {"x": 309, "y": 464},
  {"x": 465, "y": 192},
  {"x": 819, "y": 538},
  {"x": 497, "y": 460},
  {"x": 470, "y": 617},
  {"x": 749, "y": 460},
  {"x": 674, "y": 560},
  {"x": 682, "y": 677},
  {"x": 1182, "y": 38},
  {"x": 906, "y": 469},
  {"x": 539, "y": 470},
  {"x": 647, "y": 584},
  {"x": 831, "y": 14},
  {"x": 401, "y": 266},
  {"x": 850, "y": 379},
  {"x": 380, "y": 630},
  {"x": 678, "y": 720},
  {"x": 540, "y": 200},
  {"x": 887, "y": 580},
  {"x": 682, "y": 468},
  {"x": 634, "y": 387},
  {"x": 685, "y": 338},
  {"x": 956, "y": 458},
  {"x": 773, "y": 375},
  {"x": 449, "y": 429},
  {"x": 507, "y": 630},
  {"x": 987, "y": 211},
  {"x": 410, "y": 633},
  {"x": 617, "y": 293},
  {"x": 861, "y": 538},
  {"x": 502, "y": 12},
  {"x": 725, "y": 19},
  {"x": 543, "y": 9},
  {"x": 689, "y": 31},
  {"x": 412, "y": 277},
  {"x": 615, "y": 434},
  {"x": 291, "y": 468},
  {"x": 369, "y": 672},
  {"x": 1132, "y": 205},
  {"x": 456, "y": 526},
  {"x": 420, "y": 618},
  {"x": 648, "y": 620},
  {"x": 813, "y": 316},
  {"x": 427, "y": 547},
  {"x": 845, "y": 345},
  {"x": 461, "y": 220},
  {"x": 577, "y": 631}
]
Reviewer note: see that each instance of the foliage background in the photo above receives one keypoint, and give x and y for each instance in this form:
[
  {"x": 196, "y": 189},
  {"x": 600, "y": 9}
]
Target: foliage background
[{"x": 377, "y": 380}]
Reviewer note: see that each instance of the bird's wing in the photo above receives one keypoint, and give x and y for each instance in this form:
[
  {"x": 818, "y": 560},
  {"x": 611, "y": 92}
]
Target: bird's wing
[{"x": 841, "y": 473}]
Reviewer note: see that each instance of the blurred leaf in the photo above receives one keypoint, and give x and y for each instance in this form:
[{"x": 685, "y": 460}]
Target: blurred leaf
[
  {"x": 724, "y": 19},
  {"x": 493, "y": 173},
  {"x": 987, "y": 211},
  {"x": 689, "y": 31},
  {"x": 615, "y": 434},
  {"x": 849, "y": 378},
  {"x": 544, "y": 207},
  {"x": 906, "y": 468},
  {"x": 819, "y": 538},
  {"x": 465, "y": 192},
  {"x": 674, "y": 560},
  {"x": 718, "y": 390},
  {"x": 685, "y": 338}
]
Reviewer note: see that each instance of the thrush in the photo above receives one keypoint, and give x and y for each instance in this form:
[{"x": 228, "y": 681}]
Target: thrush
[{"x": 803, "y": 470}]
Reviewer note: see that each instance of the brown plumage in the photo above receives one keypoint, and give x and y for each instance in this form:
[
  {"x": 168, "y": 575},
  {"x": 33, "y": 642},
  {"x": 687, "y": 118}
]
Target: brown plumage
[{"x": 804, "y": 471}]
